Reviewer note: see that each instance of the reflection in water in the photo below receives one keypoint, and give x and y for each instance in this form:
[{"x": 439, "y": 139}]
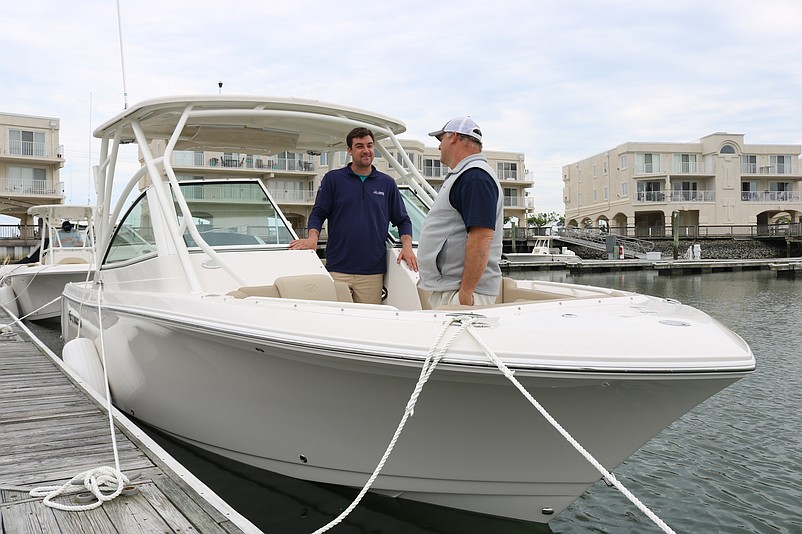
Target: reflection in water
[{"x": 730, "y": 465}]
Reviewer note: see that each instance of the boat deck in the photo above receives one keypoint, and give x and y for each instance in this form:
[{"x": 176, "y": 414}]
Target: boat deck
[{"x": 51, "y": 430}]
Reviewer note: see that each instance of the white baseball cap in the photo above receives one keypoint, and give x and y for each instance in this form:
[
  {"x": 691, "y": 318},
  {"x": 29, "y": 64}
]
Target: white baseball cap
[{"x": 462, "y": 125}]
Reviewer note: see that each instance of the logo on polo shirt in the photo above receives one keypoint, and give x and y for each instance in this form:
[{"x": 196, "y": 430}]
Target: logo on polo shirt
[{"x": 375, "y": 192}]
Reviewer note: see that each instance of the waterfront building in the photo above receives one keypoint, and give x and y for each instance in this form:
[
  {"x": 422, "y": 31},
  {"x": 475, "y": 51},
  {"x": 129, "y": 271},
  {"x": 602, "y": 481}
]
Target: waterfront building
[
  {"x": 292, "y": 178},
  {"x": 635, "y": 188},
  {"x": 30, "y": 160}
]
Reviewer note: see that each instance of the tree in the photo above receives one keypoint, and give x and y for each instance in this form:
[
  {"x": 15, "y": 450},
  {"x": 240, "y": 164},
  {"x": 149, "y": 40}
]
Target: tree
[{"x": 543, "y": 219}]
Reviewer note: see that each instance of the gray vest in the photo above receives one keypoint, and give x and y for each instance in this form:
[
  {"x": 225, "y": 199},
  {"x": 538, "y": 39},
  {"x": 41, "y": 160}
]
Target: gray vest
[{"x": 441, "y": 247}]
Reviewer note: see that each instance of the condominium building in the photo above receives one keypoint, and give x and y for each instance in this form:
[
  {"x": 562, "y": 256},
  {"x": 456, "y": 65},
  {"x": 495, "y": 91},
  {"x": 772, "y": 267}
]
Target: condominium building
[
  {"x": 636, "y": 187},
  {"x": 30, "y": 160}
]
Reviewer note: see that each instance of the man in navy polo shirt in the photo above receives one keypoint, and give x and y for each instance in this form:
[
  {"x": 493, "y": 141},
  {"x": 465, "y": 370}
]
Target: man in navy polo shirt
[{"x": 359, "y": 203}]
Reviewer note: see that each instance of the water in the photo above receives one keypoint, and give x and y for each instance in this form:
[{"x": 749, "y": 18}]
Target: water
[{"x": 733, "y": 464}]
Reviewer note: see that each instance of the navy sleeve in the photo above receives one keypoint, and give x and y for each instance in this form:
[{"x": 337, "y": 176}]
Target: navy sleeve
[
  {"x": 323, "y": 200},
  {"x": 398, "y": 212},
  {"x": 475, "y": 195}
]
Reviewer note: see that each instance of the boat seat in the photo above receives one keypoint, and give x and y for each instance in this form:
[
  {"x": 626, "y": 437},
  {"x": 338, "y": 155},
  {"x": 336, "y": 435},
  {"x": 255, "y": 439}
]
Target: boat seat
[
  {"x": 303, "y": 286},
  {"x": 71, "y": 261}
]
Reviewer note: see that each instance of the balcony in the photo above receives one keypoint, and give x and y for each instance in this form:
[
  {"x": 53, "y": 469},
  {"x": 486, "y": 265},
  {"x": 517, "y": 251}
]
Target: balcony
[
  {"x": 771, "y": 196},
  {"x": 754, "y": 168},
  {"x": 675, "y": 196},
  {"x": 20, "y": 187},
  {"x": 31, "y": 150},
  {"x": 180, "y": 160},
  {"x": 283, "y": 196}
]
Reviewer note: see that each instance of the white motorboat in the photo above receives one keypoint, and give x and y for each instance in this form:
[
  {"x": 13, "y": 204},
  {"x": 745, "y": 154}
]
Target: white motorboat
[
  {"x": 65, "y": 254},
  {"x": 543, "y": 251},
  {"x": 218, "y": 334}
]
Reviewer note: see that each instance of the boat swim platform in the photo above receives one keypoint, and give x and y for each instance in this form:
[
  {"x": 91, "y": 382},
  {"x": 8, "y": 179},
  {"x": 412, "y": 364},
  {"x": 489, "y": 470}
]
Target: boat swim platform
[
  {"x": 782, "y": 266},
  {"x": 52, "y": 429}
]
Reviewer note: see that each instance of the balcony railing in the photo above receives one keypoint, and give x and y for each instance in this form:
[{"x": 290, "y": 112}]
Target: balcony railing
[
  {"x": 771, "y": 196},
  {"x": 754, "y": 168},
  {"x": 246, "y": 162},
  {"x": 31, "y": 149},
  {"x": 675, "y": 196},
  {"x": 9, "y": 186},
  {"x": 292, "y": 197}
]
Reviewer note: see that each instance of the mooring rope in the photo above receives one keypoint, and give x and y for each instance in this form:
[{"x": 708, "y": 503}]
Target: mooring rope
[
  {"x": 432, "y": 359},
  {"x": 466, "y": 322},
  {"x": 100, "y": 478},
  {"x": 5, "y": 328},
  {"x": 608, "y": 476}
]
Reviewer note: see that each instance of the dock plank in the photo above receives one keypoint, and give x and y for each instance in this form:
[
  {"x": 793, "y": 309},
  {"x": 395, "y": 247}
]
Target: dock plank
[{"x": 51, "y": 430}]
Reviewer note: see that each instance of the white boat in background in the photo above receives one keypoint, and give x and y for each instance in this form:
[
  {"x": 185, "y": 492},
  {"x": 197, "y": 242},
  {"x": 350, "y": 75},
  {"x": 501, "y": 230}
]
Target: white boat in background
[
  {"x": 543, "y": 251},
  {"x": 65, "y": 254},
  {"x": 218, "y": 334}
]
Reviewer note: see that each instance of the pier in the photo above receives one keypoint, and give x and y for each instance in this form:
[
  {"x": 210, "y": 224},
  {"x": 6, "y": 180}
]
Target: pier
[
  {"x": 52, "y": 428},
  {"x": 782, "y": 266}
]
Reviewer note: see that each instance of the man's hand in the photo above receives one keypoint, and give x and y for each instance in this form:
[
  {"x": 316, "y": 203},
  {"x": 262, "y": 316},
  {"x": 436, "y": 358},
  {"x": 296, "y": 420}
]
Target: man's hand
[
  {"x": 310, "y": 243},
  {"x": 407, "y": 254}
]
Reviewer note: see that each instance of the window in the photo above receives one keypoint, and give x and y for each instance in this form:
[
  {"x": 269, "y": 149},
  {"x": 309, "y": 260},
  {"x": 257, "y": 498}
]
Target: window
[
  {"x": 624, "y": 189},
  {"x": 595, "y": 196},
  {"x": 594, "y": 170},
  {"x": 134, "y": 236},
  {"x": 433, "y": 168},
  {"x": 26, "y": 143},
  {"x": 606, "y": 193},
  {"x": 27, "y": 180},
  {"x": 749, "y": 191},
  {"x": 727, "y": 149},
  {"x": 685, "y": 191},
  {"x": 324, "y": 158},
  {"x": 781, "y": 164},
  {"x": 647, "y": 163},
  {"x": 748, "y": 163},
  {"x": 187, "y": 157},
  {"x": 622, "y": 162},
  {"x": 685, "y": 163},
  {"x": 507, "y": 170},
  {"x": 510, "y": 197},
  {"x": 650, "y": 191},
  {"x": 604, "y": 167}
]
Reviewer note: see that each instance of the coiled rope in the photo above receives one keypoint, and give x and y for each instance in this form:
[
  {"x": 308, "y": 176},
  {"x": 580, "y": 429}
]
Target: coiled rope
[
  {"x": 466, "y": 322},
  {"x": 99, "y": 478}
]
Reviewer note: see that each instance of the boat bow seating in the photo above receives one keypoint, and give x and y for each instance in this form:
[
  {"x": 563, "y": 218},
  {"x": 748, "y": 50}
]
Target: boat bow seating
[{"x": 303, "y": 287}]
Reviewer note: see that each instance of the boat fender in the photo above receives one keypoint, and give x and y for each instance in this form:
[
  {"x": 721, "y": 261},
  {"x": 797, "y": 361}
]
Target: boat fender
[
  {"x": 80, "y": 355},
  {"x": 9, "y": 300}
]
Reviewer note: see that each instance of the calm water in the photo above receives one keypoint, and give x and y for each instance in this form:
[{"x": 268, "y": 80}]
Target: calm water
[{"x": 733, "y": 464}]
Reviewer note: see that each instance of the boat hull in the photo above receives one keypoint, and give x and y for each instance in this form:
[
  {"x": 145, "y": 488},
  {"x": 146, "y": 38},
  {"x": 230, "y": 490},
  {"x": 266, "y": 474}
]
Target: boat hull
[
  {"x": 35, "y": 288},
  {"x": 474, "y": 442}
]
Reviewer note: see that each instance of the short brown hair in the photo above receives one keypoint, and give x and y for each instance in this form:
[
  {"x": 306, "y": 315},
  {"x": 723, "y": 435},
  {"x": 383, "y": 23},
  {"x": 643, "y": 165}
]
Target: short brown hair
[{"x": 359, "y": 131}]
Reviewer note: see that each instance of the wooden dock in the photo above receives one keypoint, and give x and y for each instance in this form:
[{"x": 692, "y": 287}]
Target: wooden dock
[
  {"x": 52, "y": 429},
  {"x": 783, "y": 266}
]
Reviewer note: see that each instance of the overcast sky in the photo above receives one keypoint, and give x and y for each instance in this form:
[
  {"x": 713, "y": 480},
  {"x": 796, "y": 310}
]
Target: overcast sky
[{"x": 557, "y": 80}]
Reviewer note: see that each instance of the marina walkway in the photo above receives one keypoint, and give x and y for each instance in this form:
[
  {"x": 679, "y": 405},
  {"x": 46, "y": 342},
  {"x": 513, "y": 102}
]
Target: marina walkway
[
  {"x": 51, "y": 430},
  {"x": 787, "y": 267}
]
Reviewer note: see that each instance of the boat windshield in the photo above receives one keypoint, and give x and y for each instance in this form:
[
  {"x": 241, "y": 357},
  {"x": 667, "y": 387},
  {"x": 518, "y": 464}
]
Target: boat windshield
[
  {"x": 233, "y": 214},
  {"x": 417, "y": 211}
]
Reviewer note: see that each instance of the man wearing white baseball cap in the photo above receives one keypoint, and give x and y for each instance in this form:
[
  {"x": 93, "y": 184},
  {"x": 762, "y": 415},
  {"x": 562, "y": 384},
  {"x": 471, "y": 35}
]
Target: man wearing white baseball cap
[{"x": 460, "y": 245}]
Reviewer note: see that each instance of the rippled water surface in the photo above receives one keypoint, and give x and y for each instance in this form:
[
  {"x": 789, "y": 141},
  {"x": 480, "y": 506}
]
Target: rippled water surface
[{"x": 733, "y": 464}]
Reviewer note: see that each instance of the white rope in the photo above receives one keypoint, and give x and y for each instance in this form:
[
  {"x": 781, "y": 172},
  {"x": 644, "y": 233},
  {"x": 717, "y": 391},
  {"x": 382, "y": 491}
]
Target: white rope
[
  {"x": 5, "y": 328},
  {"x": 94, "y": 480},
  {"x": 605, "y": 473},
  {"x": 429, "y": 364},
  {"x": 99, "y": 478}
]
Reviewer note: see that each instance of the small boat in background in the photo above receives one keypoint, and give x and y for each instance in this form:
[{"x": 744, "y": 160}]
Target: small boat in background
[
  {"x": 542, "y": 251},
  {"x": 65, "y": 254}
]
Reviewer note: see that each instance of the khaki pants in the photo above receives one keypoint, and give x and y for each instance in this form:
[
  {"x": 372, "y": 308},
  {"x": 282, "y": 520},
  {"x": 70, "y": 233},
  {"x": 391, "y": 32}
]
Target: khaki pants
[
  {"x": 365, "y": 288},
  {"x": 451, "y": 298}
]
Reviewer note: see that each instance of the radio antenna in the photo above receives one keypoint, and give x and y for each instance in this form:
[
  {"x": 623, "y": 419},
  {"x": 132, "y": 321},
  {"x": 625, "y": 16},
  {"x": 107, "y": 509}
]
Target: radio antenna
[{"x": 122, "y": 57}]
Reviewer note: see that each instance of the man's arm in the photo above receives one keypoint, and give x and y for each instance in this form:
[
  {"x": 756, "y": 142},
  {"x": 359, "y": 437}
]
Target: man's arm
[
  {"x": 477, "y": 252},
  {"x": 407, "y": 254}
]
